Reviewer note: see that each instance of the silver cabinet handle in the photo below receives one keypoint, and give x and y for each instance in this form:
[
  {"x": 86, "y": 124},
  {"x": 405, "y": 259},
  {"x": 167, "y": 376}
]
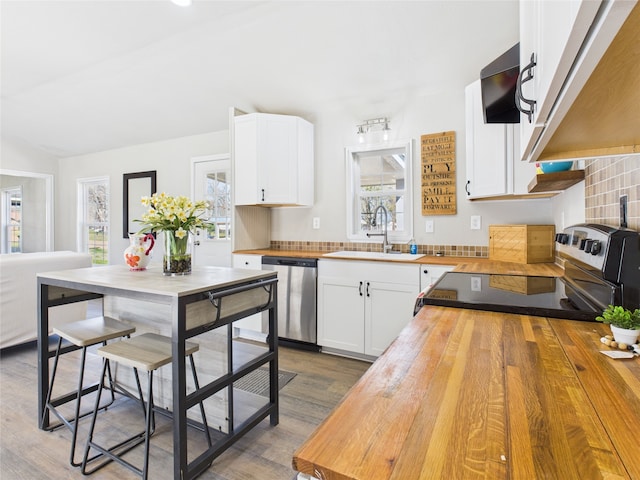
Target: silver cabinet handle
[{"x": 525, "y": 75}]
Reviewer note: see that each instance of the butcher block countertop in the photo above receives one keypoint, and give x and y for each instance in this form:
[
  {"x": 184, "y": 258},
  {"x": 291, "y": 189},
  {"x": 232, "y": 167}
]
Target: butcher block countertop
[
  {"x": 462, "y": 264},
  {"x": 475, "y": 394}
]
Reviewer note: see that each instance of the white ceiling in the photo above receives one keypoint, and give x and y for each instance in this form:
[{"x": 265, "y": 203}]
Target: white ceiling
[{"x": 89, "y": 75}]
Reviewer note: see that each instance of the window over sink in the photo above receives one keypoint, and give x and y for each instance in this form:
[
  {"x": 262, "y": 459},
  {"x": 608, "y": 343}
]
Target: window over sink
[{"x": 380, "y": 175}]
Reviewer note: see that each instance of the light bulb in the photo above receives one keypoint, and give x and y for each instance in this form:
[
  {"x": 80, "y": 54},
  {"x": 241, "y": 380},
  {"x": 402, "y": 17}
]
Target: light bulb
[
  {"x": 181, "y": 3},
  {"x": 385, "y": 132}
]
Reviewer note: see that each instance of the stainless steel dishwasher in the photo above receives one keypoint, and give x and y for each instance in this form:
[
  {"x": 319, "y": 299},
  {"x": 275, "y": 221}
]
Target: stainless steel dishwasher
[{"x": 297, "y": 279}]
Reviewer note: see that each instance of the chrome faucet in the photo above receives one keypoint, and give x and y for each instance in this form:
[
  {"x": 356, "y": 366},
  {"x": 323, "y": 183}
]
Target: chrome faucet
[{"x": 386, "y": 246}]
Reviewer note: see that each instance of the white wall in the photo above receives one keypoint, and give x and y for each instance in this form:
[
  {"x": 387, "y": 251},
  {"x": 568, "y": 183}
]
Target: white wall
[
  {"x": 171, "y": 159},
  {"x": 569, "y": 206},
  {"x": 417, "y": 114},
  {"x": 15, "y": 155}
]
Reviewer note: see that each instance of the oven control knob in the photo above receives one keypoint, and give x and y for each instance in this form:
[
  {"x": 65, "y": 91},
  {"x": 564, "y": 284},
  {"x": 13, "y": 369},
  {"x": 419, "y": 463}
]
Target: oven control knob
[
  {"x": 564, "y": 239},
  {"x": 582, "y": 243},
  {"x": 587, "y": 245},
  {"x": 596, "y": 247}
]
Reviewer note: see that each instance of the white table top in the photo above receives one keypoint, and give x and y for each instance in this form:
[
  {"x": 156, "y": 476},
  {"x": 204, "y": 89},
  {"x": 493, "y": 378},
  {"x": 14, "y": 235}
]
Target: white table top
[{"x": 118, "y": 278}]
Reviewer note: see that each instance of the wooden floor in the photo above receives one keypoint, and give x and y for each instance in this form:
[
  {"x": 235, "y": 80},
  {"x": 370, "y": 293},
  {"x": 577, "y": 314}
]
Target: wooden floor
[{"x": 264, "y": 453}]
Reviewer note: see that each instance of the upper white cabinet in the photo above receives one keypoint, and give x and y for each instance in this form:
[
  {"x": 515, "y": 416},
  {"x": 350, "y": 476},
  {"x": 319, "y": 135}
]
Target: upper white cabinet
[
  {"x": 492, "y": 153},
  {"x": 273, "y": 160},
  {"x": 561, "y": 43}
]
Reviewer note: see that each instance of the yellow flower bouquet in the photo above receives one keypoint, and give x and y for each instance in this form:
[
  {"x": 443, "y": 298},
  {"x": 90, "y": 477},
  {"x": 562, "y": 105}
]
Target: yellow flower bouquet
[{"x": 177, "y": 217}]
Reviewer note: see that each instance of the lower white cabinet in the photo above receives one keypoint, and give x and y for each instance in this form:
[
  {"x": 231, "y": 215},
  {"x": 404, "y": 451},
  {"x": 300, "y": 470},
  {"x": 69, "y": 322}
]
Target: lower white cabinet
[
  {"x": 363, "y": 306},
  {"x": 430, "y": 274},
  {"x": 249, "y": 327}
]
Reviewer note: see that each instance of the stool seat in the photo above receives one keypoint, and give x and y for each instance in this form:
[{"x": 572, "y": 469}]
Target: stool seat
[
  {"x": 148, "y": 351},
  {"x": 92, "y": 331}
]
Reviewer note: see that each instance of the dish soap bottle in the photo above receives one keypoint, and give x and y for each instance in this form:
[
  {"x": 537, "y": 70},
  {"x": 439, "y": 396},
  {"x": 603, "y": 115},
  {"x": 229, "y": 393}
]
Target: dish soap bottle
[{"x": 413, "y": 247}]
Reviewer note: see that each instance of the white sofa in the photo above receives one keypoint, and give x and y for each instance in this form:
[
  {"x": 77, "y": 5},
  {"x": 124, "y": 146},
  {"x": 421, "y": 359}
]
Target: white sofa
[{"x": 19, "y": 293}]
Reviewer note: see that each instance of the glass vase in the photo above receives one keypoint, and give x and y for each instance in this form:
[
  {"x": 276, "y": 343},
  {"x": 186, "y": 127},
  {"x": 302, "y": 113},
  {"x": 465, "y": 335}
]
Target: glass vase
[{"x": 177, "y": 253}]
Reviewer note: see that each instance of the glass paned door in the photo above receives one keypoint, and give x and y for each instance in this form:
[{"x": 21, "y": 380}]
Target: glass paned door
[{"x": 211, "y": 181}]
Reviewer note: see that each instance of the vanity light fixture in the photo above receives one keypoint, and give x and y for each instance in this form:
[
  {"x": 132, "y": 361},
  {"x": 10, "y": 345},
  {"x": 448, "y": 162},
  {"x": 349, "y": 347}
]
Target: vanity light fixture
[{"x": 381, "y": 123}]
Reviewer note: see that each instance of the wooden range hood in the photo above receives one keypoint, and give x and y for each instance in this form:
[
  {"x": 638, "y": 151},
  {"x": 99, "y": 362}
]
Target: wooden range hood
[{"x": 605, "y": 117}]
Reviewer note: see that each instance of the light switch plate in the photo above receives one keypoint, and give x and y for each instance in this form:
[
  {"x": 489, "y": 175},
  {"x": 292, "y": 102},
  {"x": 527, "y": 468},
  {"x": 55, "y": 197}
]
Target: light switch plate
[
  {"x": 429, "y": 226},
  {"x": 476, "y": 222}
]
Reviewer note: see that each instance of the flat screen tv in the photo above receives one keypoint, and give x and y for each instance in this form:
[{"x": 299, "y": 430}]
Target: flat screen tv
[{"x": 498, "y": 87}]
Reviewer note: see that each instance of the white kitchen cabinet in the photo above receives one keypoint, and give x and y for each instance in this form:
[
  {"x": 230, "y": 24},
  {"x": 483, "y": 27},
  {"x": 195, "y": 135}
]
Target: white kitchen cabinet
[
  {"x": 566, "y": 40},
  {"x": 249, "y": 327},
  {"x": 363, "y": 306},
  {"x": 430, "y": 274},
  {"x": 273, "y": 160},
  {"x": 551, "y": 33},
  {"x": 492, "y": 165}
]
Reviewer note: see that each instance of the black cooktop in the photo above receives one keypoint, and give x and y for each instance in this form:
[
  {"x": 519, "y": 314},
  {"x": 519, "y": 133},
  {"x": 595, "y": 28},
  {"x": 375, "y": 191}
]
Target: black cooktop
[{"x": 538, "y": 296}]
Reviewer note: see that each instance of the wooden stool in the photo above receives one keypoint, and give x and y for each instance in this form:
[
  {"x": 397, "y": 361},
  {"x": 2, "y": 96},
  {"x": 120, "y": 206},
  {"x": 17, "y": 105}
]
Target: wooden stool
[
  {"x": 83, "y": 333},
  {"x": 147, "y": 352}
]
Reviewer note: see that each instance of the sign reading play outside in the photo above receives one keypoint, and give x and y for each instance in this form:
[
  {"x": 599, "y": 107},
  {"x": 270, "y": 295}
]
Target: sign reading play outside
[{"x": 438, "y": 172}]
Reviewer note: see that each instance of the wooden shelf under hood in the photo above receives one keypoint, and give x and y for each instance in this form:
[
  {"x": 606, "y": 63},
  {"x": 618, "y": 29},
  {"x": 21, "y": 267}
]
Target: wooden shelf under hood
[
  {"x": 551, "y": 182},
  {"x": 603, "y": 120}
]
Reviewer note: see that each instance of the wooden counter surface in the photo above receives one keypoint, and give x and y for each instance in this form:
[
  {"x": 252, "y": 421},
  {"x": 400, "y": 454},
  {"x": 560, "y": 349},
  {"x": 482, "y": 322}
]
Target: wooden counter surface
[
  {"x": 473, "y": 394},
  {"x": 462, "y": 264}
]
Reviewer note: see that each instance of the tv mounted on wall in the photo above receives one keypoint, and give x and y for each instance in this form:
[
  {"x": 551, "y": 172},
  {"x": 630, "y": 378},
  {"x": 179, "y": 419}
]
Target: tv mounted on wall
[{"x": 498, "y": 87}]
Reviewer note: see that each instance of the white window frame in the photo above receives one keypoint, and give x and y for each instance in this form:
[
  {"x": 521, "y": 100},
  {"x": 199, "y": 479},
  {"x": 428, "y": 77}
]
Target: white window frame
[
  {"x": 81, "y": 238},
  {"x": 353, "y": 189}
]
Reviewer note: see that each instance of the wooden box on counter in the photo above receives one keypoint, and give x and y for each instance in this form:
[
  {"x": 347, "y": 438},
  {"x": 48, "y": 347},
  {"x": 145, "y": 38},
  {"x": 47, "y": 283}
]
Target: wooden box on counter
[{"x": 522, "y": 243}]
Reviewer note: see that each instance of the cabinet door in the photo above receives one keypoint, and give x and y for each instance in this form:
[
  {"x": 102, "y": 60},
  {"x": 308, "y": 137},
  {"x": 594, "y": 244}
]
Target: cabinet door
[
  {"x": 341, "y": 314},
  {"x": 245, "y": 159},
  {"x": 388, "y": 309},
  {"x": 430, "y": 274},
  {"x": 277, "y": 160},
  {"x": 249, "y": 327},
  {"x": 486, "y": 149},
  {"x": 553, "y": 32}
]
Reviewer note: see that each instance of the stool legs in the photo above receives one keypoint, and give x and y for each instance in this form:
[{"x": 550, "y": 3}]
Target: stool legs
[
  {"x": 125, "y": 445},
  {"x": 50, "y": 405},
  {"x": 115, "y": 452}
]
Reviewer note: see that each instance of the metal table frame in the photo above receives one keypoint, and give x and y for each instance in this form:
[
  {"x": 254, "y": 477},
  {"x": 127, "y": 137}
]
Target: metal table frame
[{"x": 58, "y": 288}]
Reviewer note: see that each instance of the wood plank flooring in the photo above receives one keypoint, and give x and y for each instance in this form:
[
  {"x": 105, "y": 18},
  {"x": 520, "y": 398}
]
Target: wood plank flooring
[{"x": 264, "y": 453}]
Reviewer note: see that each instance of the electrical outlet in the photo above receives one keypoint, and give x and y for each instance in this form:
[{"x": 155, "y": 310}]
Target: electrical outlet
[
  {"x": 476, "y": 222},
  {"x": 429, "y": 226},
  {"x": 476, "y": 284},
  {"x": 316, "y": 223}
]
